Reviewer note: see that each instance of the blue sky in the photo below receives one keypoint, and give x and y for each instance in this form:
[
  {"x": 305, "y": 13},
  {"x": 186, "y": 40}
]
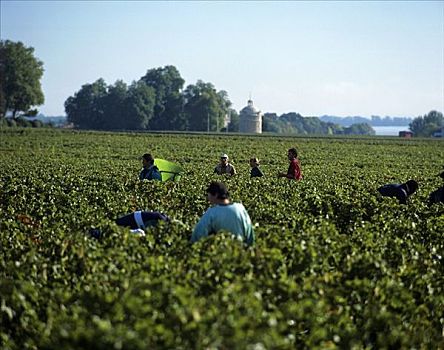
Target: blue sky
[{"x": 312, "y": 57}]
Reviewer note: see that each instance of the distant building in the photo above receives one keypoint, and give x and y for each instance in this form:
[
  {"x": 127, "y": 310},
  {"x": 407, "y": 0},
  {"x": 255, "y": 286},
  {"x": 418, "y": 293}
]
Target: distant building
[
  {"x": 406, "y": 134},
  {"x": 250, "y": 119}
]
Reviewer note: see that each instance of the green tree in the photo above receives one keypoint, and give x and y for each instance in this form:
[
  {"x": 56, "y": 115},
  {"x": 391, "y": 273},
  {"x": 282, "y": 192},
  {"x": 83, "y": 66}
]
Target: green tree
[
  {"x": 139, "y": 106},
  {"x": 428, "y": 124},
  {"x": 205, "y": 108},
  {"x": 168, "y": 109},
  {"x": 233, "y": 125},
  {"x": 86, "y": 108},
  {"x": 270, "y": 122},
  {"x": 20, "y": 74},
  {"x": 292, "y": 123},
  {"x": 359, "y": 129},
  {"x": 113, "y": 106}
]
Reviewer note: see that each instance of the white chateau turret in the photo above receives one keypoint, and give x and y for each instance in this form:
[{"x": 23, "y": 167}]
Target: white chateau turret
[{"x": 250, "y": 119}]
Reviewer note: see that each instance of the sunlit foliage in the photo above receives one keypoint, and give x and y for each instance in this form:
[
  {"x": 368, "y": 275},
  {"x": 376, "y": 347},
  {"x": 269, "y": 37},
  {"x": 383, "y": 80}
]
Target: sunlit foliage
[{"x": 334, "y": 265}]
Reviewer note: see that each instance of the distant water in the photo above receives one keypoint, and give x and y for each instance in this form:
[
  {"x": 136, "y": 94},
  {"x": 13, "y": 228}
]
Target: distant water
[{"x": 389, "y": 130}]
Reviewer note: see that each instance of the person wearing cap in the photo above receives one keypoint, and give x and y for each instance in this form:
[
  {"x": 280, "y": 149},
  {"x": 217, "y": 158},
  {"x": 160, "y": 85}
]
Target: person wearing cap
[
  {"x": 149, "y": 170},
  {"x": 400, "y": 191},
  {"x": 224, "y": 167},
  {"x": 224, "y": 216},
  {"x": 255, "y": 171},
  {"x": 294, "y": 169}
]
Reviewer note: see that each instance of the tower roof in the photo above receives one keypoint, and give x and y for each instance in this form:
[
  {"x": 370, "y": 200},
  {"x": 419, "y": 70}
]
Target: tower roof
[{"x": 249, "y": 109}]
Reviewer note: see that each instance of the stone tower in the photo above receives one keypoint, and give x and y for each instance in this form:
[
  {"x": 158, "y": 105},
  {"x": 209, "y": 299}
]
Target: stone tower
[{"x": 250, "y": 119}]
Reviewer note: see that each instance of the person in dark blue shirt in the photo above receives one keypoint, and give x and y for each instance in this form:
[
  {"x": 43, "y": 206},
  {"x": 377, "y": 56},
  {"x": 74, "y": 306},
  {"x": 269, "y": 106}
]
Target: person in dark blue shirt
[
  {"x": 438, "y": 195},
  {"x": 137, "y": 222},
  {"x": 400, "y": 191},
  {"x": 255, "y": 171},
  {"x": 142, "y": 219},
  {"x": 149, "y": 170}
]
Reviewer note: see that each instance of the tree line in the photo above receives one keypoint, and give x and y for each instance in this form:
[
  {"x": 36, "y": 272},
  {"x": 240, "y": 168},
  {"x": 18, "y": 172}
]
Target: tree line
[
  {"x": 373, "y": 121},
  {"x": 427, "y": 125},
  {"x": 157, "y": 101},
  {"x": 294, "y": 123}
]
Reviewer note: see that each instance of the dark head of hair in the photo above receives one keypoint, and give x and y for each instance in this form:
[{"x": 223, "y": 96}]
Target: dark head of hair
[
  {"x": 148, "y": 157},
  {"x": 218, "y": 189},
  {"x": 412, "y": 186},
  {"x": 254, "y": 160},
  {"x": 294, "y": 152}
]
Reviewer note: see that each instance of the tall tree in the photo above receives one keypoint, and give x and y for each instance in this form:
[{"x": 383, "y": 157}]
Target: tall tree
[
  {"x": 113, "y": 106},
  {"x": 427, "y": 125},
  {"x": 20, "y": 74},
  {"x": 233, "y": 125},
  {"x": 270, "y": 122},
  {"x": 168, "y": 109},
  {"x": 293, "y": 123},
  {"x": 86, "y": 108},
  {"x": 139, "y": 106},
  {"x": 205, "y": 108}
]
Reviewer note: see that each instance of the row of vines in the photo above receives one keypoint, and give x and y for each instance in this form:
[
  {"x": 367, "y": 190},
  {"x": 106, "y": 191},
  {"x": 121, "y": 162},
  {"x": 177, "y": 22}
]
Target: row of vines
[{"x": 334, "y": 265}]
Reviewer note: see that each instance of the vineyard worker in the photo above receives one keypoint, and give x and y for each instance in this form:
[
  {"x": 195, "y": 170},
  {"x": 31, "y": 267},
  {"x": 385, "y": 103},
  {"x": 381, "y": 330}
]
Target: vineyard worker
[
  {"x": 140, "y": 220},
  {"x": 438, "y": 195},
  {"x": 255, "y": 171},
  {"x": 137, "y": 222},
  {"x": 224, "y": 167},
  {"x": 149, "y": 170},
  {"x": 294, "y": 169},
  {"x": 223, "y": 215},
  {"x": 401, "y": 191}
]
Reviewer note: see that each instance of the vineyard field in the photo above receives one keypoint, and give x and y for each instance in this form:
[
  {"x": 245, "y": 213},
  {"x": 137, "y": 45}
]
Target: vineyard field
[{"x": 334, "y": 266}]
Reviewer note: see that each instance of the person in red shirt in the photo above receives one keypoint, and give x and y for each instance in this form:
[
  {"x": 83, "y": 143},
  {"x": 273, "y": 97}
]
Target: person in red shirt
[{"x": 294, "y": 170}]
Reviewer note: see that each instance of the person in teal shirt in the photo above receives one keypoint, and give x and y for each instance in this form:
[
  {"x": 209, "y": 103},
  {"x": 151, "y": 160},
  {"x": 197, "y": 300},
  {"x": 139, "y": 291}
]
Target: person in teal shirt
[{"x": 224, "y": 216}]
